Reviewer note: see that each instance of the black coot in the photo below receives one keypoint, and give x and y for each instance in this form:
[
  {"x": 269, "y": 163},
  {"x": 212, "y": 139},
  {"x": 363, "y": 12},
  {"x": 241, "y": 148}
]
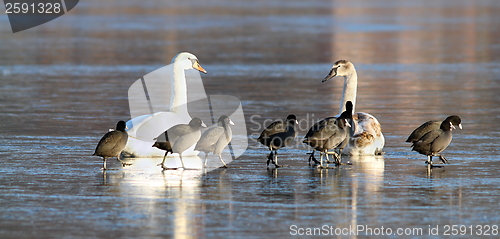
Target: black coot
[
  {"x": 179, "y": 138},
  {"x": 329, "y": 133},
  {"x": 435, "y": 141},
  {"x": 277, "y": 135},
  {"x": 112, "y": 144},
  {"x": 216, "y": 138}
]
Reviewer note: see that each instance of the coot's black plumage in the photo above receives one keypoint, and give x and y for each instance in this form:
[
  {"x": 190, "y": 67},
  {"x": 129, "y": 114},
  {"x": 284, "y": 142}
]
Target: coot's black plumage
[
  {"x": 112, "y": 144},
  {"x": 435, "y": 141},
  {"x": 216, "y": 138},
  {"x": 179, "y": 138},
  {"x": 328, "y": 134},
  {"x": 277, "y": 135},
  {"x": 429, "y": 126}
]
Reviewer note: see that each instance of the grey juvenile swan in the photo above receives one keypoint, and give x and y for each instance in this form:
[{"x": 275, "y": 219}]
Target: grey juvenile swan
[{"x": 366, "y": 136}]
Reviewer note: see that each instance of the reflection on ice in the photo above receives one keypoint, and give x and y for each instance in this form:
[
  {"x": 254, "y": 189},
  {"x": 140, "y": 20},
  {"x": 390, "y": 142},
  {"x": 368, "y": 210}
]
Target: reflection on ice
[
  {"x": 150, "y": 187},
  {"x": 145, "y": 176},
  {"x": 417, "y": 59},
  {"x": 372, "y": 169}
]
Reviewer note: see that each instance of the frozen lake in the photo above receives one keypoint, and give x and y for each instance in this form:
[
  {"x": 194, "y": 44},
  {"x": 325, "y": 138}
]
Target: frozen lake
[{"x": 64, "y": 83}]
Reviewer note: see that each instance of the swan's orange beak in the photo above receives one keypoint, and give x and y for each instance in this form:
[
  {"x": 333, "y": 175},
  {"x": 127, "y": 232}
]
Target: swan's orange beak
[{"x": 197, "y": 66}]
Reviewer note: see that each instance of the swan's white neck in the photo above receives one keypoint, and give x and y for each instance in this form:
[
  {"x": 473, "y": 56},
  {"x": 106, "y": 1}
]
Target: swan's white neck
[
  {"x": 349, "y": 91},
  {"x": 178, "y": 96}
]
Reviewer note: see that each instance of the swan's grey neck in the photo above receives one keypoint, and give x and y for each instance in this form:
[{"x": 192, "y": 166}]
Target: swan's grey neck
[
  {"x": 178, "y": 96},
  {"x": 349, "y": 91}
]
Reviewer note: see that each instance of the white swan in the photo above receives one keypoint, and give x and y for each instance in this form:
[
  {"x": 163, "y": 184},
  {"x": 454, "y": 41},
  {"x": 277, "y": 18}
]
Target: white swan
[
  {"x": 366, "y": 136},
  {"x": 142, "y": 129}
]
